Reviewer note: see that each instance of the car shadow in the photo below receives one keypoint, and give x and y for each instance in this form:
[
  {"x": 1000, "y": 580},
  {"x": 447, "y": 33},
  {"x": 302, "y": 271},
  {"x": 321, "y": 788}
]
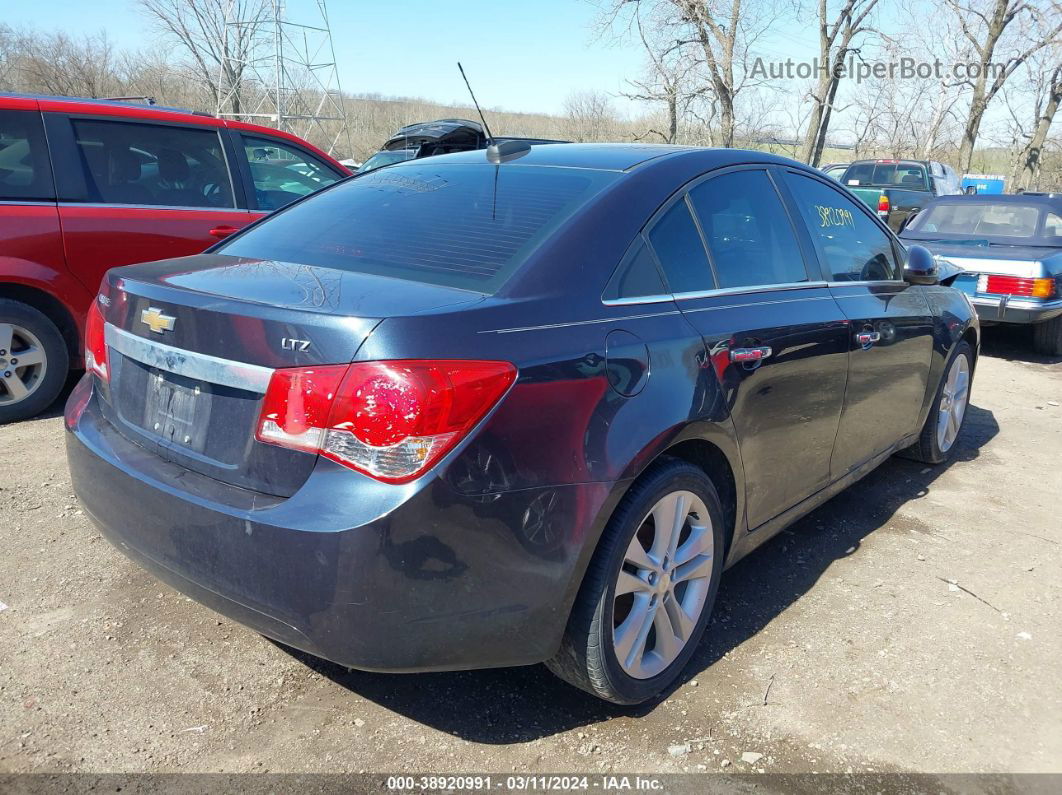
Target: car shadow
[
  {"x": 517, "y": 705},
  {"x": 1013, "y": 343}
]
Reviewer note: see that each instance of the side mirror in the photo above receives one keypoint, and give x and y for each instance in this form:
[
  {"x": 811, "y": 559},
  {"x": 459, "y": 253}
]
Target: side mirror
[{"x": 921, "y": 268}]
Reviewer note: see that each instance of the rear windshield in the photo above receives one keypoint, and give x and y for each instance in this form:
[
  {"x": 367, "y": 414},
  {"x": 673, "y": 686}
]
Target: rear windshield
[
  {"x": 977, "y": 220},
  {"x": 886, "y": 175},
  {"x": 458, "y": 225}
]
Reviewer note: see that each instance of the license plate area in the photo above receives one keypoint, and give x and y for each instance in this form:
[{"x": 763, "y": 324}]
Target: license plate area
[{"x": 177, "y": 409}]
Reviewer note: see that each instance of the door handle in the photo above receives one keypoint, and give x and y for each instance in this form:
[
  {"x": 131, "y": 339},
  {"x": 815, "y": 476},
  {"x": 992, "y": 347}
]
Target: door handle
[
  {"x": 223, "y": 231},
  {"x": 868, "y": 338},
  {"x": 750, "y": 354}
]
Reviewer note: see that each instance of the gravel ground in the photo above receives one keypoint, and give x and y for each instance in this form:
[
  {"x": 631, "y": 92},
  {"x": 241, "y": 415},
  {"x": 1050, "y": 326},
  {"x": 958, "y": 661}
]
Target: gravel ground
[{"x": 910, "y": 624}]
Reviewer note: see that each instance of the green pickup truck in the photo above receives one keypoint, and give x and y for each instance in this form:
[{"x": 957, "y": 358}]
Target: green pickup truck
[{"x": 896, "y": 189}]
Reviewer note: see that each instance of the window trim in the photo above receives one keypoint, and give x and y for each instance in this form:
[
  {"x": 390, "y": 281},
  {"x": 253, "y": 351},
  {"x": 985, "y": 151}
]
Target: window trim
[
  {"x": 805, "y": 245},
  {"x": 826, "y": 272},
  {"x": 639, "y": 240},
  {"x": 74, "y": 191}
]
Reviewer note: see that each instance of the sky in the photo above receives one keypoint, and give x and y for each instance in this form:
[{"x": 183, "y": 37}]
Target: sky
[{"x": 520, "y": 56}]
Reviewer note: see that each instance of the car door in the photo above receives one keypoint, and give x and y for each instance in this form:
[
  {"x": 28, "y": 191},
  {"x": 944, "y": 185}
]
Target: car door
[
  {"x": 890, "y": 344},
  {"x": 134, "y": 191},
  {"x": 775, "y": 337},
  {"x": 278, "y": 171},
  {"x": 32, "y": 248}
]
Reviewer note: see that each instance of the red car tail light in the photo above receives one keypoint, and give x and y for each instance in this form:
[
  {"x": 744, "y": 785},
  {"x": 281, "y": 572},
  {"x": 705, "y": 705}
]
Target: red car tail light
[
  {"x": 1016, "y": 285},
  {"x": 883, "y": 204},
  {"x": 391, "y": 420},
  {"x": 96, "y": 359}
]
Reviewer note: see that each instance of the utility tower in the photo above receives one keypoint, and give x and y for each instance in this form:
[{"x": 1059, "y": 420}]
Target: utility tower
[{"x": 282, "y": 70}]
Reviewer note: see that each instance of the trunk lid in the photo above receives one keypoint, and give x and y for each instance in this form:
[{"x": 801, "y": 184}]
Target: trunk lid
[
  {"x": 1023, "y": 261},
  {"x": 193, "y": 342}
]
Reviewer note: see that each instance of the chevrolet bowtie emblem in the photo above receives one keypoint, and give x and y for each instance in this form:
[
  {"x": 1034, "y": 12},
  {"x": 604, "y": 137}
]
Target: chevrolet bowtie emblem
[{"x": 155, "y": 320}]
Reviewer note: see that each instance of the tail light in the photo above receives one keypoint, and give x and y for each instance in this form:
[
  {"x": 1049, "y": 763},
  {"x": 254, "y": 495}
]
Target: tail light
[
  {"x": 1016, "y": 285},
  {"x": 391, "y": 420},
  {"x": 96, "y": 360},
  {"x": 883, "y": 204}
]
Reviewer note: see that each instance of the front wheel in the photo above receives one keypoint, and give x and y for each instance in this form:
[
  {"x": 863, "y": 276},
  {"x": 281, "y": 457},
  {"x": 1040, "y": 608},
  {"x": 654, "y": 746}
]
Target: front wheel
[
  {"x": 649, "y": 590},
  {"x": 937, "y": 441},
  {"x": 1047, "y": 337}
]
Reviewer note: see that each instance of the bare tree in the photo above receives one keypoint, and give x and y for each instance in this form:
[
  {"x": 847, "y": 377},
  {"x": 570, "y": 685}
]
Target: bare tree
[
  {"x": 836, "y": 40},
  {"x": 712, "y": 39},
  {"x": 1028, "y": 164},
  {"x": 216, "y": 51},
  {"x": 669, "y": 74},
  {"x": 989, "y": 27},
  {"x": 589, "y": 116}
]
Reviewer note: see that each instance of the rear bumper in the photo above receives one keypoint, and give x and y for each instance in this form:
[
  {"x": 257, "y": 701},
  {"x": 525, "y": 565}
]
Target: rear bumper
[
  {"x": 397, "y": 579},
  {"x": 1015, "y": 310}
]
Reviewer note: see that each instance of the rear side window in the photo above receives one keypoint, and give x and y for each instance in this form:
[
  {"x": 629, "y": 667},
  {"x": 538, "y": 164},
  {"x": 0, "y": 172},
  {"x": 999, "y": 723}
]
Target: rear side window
[
  {"x": 283, "y": 173},
  {"x": 748, "y": 231},
  {"x": 148, "y": 164},
  {"x": 24, "y": 169},
  {"x": 637, "y": 276},
  {"x": 679, "y": 248},
  {"x": 1053, "y": 225},
  {"x": 853, "y": 247},
  {"x": 977, "y": 218},
  {"x": 467, "y": 226},
  {"x": 886, "y": 175}
]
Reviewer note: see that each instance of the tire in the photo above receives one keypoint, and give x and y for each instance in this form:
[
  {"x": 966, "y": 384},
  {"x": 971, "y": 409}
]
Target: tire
[
  {"x": 43, "y": 369},
  {"x": 588, "y": 657},
  {"x": 1047, "y": 337},
  {"x": 930, "y": 447}
]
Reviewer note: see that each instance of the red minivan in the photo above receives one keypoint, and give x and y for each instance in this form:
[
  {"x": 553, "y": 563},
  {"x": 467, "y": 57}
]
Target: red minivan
[{"x": 86, "y": 185}]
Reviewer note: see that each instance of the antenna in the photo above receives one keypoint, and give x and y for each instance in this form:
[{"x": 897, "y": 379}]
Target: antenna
[{"x": 490, "y": 137}]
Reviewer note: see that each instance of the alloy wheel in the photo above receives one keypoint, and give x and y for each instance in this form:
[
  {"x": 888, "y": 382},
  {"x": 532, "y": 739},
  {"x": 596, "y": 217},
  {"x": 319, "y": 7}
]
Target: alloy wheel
[
  {"x": 23, "y": 364},
  {"x": 663, "y": 584},
  {"x": 953, "y": 399}
]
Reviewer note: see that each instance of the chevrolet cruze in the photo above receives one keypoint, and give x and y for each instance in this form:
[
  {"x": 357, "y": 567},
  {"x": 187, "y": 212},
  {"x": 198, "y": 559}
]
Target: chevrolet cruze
[{"x": 515, "y": 406}]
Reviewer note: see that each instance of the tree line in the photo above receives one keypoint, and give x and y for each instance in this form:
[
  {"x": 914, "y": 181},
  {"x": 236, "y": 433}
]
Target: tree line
[{"x": 981, "y": 90}]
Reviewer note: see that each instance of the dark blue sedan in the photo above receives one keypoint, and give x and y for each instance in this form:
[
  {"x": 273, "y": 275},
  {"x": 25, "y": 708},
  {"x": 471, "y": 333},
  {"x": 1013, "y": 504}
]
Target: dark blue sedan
[
  {"x": 1010, "y": 248},
  {"x": 515, "y": 406}
]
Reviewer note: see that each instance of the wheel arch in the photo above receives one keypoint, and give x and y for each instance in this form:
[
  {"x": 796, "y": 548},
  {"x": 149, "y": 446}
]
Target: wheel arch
[
  {"x": 711, "y": 459},
  {"x": 52, "y": 308}
]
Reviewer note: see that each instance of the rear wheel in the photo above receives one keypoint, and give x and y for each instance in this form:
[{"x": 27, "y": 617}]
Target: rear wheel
[
  {"x": 649, "y": 590},
  {"x": 33, "y": 361},
  {"x": 939, "y": 434},
  {"x": 1047, "y": 337}
]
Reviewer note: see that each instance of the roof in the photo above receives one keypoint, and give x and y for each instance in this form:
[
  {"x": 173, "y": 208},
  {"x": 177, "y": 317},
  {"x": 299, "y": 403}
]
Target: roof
[
  {"x": 111, "y": 107},
  {"x": 615, "y": 157},
  {"x": 1053, "y": 200}
]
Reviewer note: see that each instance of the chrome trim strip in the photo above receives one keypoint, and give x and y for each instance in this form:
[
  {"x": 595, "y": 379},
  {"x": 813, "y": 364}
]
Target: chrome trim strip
[
  {"x": 722, "y": 291},
  {"x": 894, "y": 282},
  {"x": 755, "y": 290},
  {"x": 200, "y": 366},
  {"x": 1021, "y": 303},
  {"x": 578, "y": 323},
  {"x": 645, "y": 299},
  {"x": 27, "y": 203},
  {"x": 1029, "y": 269}
]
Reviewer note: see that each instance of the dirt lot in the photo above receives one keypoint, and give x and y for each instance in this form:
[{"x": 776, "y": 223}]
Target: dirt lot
[{"x": 912, "y": 623}]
